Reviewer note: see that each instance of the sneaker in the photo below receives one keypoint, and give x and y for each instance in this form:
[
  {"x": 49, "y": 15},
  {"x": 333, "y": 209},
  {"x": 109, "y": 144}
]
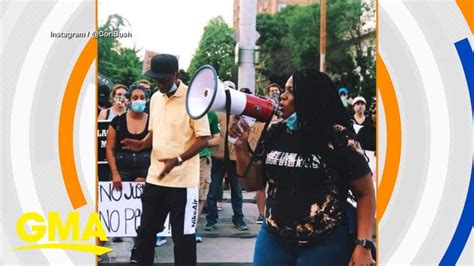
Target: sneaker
[
  {"x": 160, "y": 241},
  {"x": 198, "y": 237},
  {"x": 133, "y": 256},
  {"x": 241, "y": 226},
  {"x": 219, "y": 206},
  {"x": 260, "y": 219},
  {"x": 210, "y": 227}
]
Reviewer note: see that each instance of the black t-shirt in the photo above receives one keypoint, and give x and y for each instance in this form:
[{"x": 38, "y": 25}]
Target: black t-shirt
[
  {"x": 367, "y": 121},
  {"x": 119, "y": 123},
  {"x": 366, "y": 137},
  {"x": 307, "y": 194}
]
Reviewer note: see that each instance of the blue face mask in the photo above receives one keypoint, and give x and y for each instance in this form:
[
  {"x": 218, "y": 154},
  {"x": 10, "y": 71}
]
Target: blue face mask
[
  {"x": 138, "y": 106},
  {"x": 292, "y": 122},
  {"x": 173, "y": 88},
  {"x": 344, "y": 101}
]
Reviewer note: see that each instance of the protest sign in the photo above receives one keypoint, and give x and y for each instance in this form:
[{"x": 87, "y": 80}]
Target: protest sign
[
  {"x": 120, "y": 211},
  {"x": 255, "y": 132},
  {"x": 102, "y": 126},
  {"x": 147, "y": 60}
]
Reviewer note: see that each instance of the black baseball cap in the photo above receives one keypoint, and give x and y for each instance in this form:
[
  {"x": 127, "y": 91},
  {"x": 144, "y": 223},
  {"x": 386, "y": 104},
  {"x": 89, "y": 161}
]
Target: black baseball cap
[{"x": 162, "y": 65}]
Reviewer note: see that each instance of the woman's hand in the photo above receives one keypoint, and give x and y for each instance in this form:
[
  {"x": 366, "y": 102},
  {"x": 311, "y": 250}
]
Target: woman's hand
[
  {"x": 241, "y": 133},
  {"x": 116, "y": 181},
  {"x": 361, "y": 256}
]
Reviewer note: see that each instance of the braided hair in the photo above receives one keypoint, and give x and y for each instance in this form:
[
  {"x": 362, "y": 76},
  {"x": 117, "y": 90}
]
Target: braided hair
[{"x": 318, "y": 107}]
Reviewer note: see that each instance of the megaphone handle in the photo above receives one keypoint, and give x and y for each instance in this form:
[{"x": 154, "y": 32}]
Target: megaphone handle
[{"x": 226, "y": 141}]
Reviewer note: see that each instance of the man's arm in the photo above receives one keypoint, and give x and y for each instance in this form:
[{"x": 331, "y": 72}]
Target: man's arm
[
  {"x": 138, "y": 145},
  {"x": 198, "y": 145}
]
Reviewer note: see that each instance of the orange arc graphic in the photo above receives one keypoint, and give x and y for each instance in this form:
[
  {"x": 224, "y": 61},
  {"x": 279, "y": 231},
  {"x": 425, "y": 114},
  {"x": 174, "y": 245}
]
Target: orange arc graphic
[
  {"x": 66, "y": 124},
  {"x": 467, "y": 9},
  {"x": 394, "y": 138}
]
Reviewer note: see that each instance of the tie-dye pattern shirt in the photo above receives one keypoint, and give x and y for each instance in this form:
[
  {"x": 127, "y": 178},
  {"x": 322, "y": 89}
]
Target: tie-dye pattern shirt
[{"x": 306, "y": 198}]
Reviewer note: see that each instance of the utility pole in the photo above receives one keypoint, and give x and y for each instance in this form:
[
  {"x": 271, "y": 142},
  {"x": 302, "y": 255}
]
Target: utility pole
[
  {"x": 247, "y": 37},
  {"x": 322, "y": 38}
]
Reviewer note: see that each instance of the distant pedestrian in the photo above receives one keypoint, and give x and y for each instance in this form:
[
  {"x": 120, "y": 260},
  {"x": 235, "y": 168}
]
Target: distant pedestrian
[
  {"x": 119, "y": 103},
  {"x": 360, "y": 120}
]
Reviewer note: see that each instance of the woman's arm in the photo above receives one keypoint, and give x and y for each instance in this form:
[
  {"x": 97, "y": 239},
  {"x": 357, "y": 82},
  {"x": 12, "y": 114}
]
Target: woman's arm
[
  {"x": 102, "y": 114},
  {"x": 363, "y": 189},
  {"x": 253, "y": 180},
  {"x": 110, "y": 155}
]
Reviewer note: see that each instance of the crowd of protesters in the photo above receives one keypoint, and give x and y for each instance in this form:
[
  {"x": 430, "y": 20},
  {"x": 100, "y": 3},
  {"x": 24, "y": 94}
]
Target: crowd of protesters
[{"x": 151, "y": 139}]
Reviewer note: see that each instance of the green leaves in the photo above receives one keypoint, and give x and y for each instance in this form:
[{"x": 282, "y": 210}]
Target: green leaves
[
  {"x": 216, "y": 48},
  {"x": 117, "y": 63},
  {"x": 290, "y": 40}
]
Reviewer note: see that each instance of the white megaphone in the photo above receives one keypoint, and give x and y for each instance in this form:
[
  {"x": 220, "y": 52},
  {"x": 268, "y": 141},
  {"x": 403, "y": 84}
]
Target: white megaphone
[{"x": 207, "y": 93}]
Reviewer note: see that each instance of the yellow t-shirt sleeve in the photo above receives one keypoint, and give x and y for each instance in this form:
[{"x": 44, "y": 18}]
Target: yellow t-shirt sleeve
[
  {"x": 201, "y": 127},
  {"x": 151, "y": 117}
]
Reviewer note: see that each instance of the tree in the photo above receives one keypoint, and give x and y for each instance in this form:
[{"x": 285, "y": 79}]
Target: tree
[
  {"x": 216, "y": 48},
  {"x": 275, "y": 57},
  {"x": 350, "y": 19},
  {"x": 289, "y": 40},
  {"x": 184, "y": 76},
  {"x": 120, "y": 64}
]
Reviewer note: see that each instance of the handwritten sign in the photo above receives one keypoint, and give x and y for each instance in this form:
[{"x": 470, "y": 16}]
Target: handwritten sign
[
  {"x": 102, "y": 126},
  {"x": 103, "y": 80},
  {"x": 255, "y": 132},
  {"x": 147, "y": 60},
  {"x": 120, "y": 211}
]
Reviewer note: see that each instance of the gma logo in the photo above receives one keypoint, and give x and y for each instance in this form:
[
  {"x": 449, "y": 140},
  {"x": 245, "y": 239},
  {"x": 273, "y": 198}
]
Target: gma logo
[{"x": 69, "y": 230}]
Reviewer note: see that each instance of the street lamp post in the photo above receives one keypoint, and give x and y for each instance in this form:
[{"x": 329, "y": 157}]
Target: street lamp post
[
  {"x": 247, "y": 38},
  {"x": 322, "y": 39}
]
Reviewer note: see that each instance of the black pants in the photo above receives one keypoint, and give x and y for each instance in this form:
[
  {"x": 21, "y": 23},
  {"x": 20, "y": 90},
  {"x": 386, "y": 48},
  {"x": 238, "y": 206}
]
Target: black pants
[{"x": 157, "y": 202}]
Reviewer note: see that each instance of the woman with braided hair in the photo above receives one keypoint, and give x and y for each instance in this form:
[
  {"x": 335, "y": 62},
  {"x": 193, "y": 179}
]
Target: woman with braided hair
[{"x": 310, "y": 161}]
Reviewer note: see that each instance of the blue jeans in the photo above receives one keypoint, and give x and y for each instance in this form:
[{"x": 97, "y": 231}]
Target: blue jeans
[
  {"x": 217, "y": 174},
  {"x": 335, "y": 250}
]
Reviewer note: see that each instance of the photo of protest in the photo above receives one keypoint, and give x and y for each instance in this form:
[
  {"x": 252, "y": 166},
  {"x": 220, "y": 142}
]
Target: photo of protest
[{"x": 237, "y": 132}]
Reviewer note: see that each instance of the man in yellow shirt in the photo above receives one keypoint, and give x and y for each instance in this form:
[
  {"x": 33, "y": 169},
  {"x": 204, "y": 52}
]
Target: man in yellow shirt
[{"x": 173, "y": 177}]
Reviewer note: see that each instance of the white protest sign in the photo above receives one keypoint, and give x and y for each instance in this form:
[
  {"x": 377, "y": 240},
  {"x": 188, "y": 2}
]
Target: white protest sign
[{"x": 120, "y": 211}]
